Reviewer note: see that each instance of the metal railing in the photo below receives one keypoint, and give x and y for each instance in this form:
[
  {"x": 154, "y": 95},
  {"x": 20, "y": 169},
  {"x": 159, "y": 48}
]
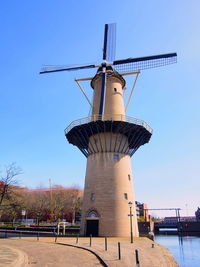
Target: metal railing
[{"x": 108, "y": 117}]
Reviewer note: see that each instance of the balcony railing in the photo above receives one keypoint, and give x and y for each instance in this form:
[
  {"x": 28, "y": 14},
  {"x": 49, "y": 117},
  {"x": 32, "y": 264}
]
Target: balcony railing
[{"x": 108, "y": 117}]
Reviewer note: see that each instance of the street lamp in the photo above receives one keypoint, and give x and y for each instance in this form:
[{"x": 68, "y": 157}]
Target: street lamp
[{"x": 131, "y": 215}]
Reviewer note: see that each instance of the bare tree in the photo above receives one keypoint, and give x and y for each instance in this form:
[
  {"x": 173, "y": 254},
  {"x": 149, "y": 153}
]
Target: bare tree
[
  {"x": 7, "y": 181},
  {"x": 15, "y": 204},
  {"x": 65, "y": 202},
  {"x": 36, "y": 204}
]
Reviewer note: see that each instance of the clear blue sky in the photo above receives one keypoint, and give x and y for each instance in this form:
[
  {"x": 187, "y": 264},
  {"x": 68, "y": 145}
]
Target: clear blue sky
[{"x": 35, "y": 109}]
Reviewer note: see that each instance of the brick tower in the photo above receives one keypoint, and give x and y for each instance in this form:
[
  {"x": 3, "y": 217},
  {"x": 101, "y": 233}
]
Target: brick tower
[{"x": 108, "y": 141}]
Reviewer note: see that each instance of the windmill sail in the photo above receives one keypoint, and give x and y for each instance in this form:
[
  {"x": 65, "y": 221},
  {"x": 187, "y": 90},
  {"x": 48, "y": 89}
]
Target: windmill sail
[
  {"x": 141, "y": 63},
  {"x": 109, "y": 47}
]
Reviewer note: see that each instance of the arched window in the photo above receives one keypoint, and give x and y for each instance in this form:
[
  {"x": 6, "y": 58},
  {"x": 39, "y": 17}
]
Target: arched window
[{"x": 93, "y": 214}]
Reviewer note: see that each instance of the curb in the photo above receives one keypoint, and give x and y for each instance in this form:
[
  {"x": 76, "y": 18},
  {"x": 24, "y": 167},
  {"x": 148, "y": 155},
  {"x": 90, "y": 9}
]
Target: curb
[{"x": 87, "y": 249}]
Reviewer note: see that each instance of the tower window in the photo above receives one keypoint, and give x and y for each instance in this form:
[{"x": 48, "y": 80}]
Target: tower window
[
  {"x": 125, "y": 196},
  {"x": 92, "y": 196},
  {"x": 115, "y": 89},
  {"x": 116, "y": 157},
  {"x": 129, "y": 177}
]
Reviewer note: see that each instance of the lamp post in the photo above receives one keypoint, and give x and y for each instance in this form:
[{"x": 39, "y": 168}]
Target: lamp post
[{"x": 131, "y": 215}]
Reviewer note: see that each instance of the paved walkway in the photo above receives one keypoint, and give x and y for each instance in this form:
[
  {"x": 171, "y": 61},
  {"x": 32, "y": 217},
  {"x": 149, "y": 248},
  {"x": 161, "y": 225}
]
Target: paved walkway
[
  {"x": 45, "y": 252},
  {"x": 42, "y": 254},
  {"x": 156, "y": 256},
  {"x": 11, "y": 256}
]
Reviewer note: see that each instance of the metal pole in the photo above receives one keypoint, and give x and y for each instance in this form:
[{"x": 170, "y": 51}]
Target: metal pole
[
  {"x": 131, "y": 91},
  {"x": 177, "y": 219},
  {"x": 119, "y": 251},
  {"x": 77, "y": 239},
  {"x": 38, "y": 235},
  {"x": 56, "y": 236},
  {"x": 137, "y": 258},
  {"x": 51, "y": 200},
  {"x": 77, "y": 81},
  {"x": 58, "y": 228},
  {"x": 106, "y": 245},
  {"x": 131, "y": 224},
  {"x": 90, "y": 240}
]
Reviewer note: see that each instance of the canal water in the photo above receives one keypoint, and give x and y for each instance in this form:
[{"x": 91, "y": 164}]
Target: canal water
[{"x": 185, "y": 249}]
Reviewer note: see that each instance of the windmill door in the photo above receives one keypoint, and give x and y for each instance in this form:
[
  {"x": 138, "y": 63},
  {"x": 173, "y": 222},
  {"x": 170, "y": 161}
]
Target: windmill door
[{"x": 92, "y": 227}]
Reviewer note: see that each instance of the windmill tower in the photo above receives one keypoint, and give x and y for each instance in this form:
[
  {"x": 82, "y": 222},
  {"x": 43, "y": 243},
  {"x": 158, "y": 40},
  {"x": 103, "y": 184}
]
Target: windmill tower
[{"x": 108, "y": 138}]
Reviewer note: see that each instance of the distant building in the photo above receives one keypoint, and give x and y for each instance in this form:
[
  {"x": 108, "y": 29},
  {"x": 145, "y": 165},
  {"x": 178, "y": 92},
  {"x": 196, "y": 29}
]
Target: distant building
[
  {"x": 197, "y": 214},
  {"x": 142, "y": 211}
]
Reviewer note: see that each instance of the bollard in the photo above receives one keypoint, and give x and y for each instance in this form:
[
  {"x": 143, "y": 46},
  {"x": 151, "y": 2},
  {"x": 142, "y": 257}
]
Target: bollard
[
  {"x": 152, "y": 245},
  {"x": 56, "y": 236},
  {"x": 20, "y": 235},
  {"x": 137, "y": 258},
  {"x": 106, "y": 247},
  {"x": 38, "y": 235},
  {"x": 90, "y": 240},
  {"x": 119, "y": 251},
  {"x": 77, "y": 239}
]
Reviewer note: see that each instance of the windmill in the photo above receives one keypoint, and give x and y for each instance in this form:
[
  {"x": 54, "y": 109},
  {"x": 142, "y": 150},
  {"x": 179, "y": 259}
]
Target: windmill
[
  {"x": 108, "y": 139},
  {"x": 128, "y": 64}
]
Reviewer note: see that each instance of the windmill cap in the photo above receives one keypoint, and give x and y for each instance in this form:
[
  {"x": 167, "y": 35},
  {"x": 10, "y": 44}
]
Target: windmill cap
[{"x": 110, "y": 72}]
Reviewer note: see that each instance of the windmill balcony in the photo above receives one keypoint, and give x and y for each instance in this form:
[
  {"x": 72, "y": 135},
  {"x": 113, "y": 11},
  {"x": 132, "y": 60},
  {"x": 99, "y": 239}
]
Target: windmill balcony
[{"x": 108, "y": 133}]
